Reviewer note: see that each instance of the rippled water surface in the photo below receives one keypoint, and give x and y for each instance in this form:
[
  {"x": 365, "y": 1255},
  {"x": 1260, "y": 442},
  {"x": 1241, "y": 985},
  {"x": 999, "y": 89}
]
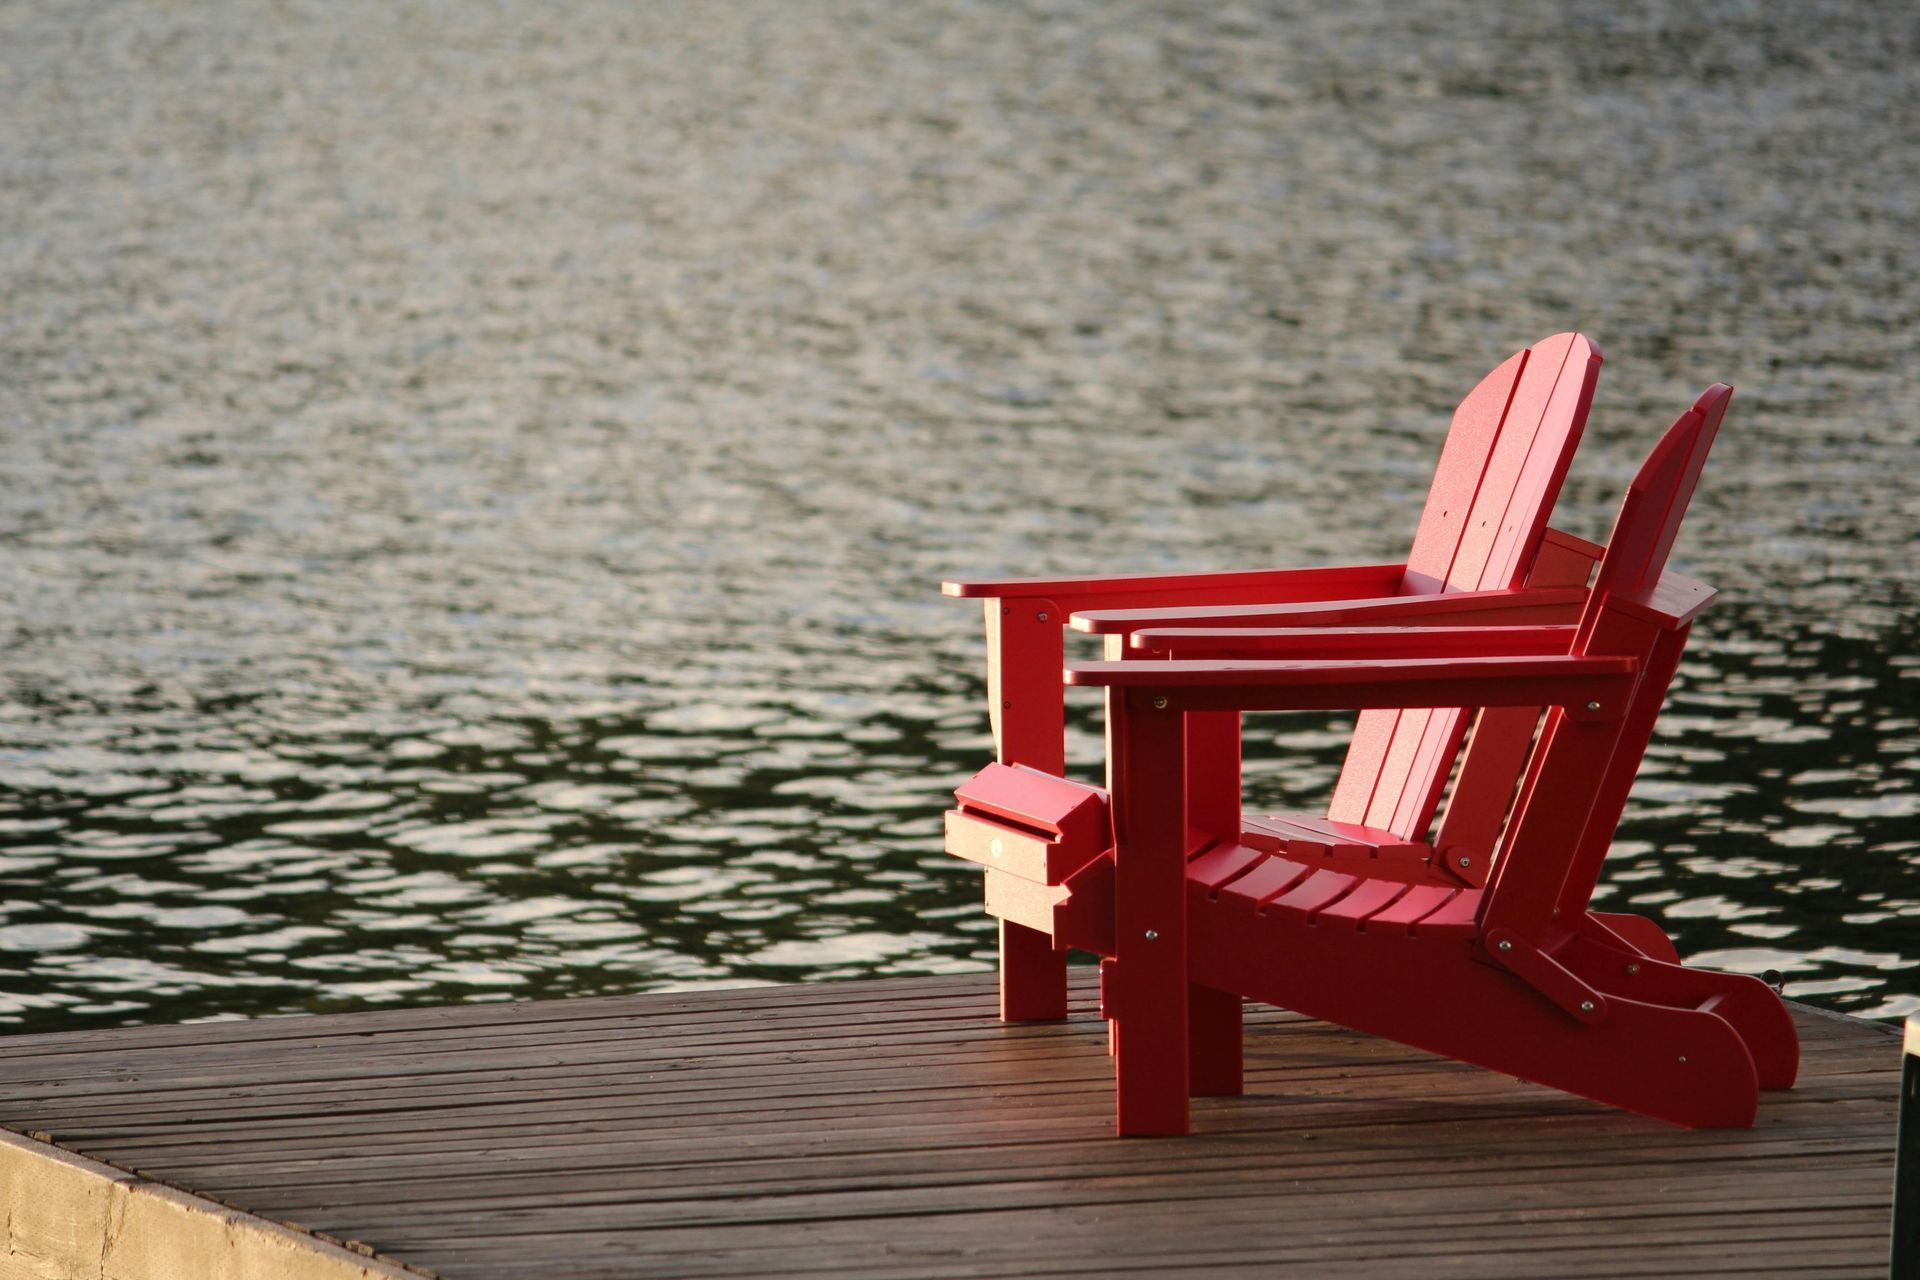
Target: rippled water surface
[{"x": 473, "y": 478}]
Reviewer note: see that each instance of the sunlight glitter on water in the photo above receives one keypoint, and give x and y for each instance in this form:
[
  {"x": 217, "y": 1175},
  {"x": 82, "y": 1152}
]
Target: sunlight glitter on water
[{"x": 471, "y": 497}]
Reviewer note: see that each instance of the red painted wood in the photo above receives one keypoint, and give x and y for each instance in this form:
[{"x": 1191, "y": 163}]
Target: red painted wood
[
  {"x": 1370, "y": 898},
  {"x": 1026, "y": 709},
  {"x": 1630, "y": 933},
  {"x": 1518, "y": 977},
  {"x": 988, "y": 843},
  {"x": 1218, "y": 865},
  {"x": 1271, "y": 878},
  {"x": 1215, "y": 1063},
  {"x": 1517, "y": 606},
  {"x": 1501, "y": 738},
  {"x": 1325, "y": 643},
  {"x": 1399, "y": 787},
  {"x": 1033, "y": 975},
  {"x": 1680, "y": 1064},
  {"x": 1459, "y": 916},
  {"x": 1354, "y": 917},
  {"x": 1496, "y": 753},
  {"x": 1411, "y": 907},
  {"x": 1471, "y": 438},
  {"x": 1071, "y": 811},
  {"x": 1148, "y": 989},
  {"x": 1113, "y": 591},
  {"x": 1501, "y": 681},
  {"x": 1321, "y": 889},
  {"x": 1024, "y": 617}
]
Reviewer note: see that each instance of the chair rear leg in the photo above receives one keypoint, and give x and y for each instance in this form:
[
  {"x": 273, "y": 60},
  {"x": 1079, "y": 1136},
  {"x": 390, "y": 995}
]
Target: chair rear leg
[
  {"x": 1213, "y": 814},
  {"x": 1214, "y": 1057},
  {"x": 1033, "y": 976}
]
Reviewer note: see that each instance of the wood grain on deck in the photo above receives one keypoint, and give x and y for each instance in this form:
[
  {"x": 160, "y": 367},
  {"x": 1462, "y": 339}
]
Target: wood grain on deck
[{"x": 894, "y": 1128}]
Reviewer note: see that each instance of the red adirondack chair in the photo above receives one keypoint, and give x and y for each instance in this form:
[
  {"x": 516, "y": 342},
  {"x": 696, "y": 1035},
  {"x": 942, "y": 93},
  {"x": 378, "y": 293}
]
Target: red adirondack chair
[
  {"x": 1518, "y": 976},
  {"x": 1482, "y": 553}
]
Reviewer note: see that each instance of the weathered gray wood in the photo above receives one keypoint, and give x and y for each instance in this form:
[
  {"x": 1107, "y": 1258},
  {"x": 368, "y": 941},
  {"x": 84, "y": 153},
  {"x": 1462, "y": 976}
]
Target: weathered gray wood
[{"x": 895, "y": 1128}]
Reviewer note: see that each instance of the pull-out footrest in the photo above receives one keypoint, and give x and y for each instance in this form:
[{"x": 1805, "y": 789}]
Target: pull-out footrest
[
  {"x": 1043, "y": 841},
  {"x": 1028, "y": 823},
  {"x": 1078, "y": 914}
]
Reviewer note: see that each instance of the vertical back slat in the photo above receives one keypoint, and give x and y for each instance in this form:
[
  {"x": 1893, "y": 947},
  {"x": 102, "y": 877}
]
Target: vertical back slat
[
  {"x": 1399, "y": 761},
  {"x": 1463, "y": 462},
  {"x": 1541, "y": 475},
  {"x": 1712, "y": 407},
  {"x": 1539, "y": 868},
  {"x": 1491, "y": 505}
]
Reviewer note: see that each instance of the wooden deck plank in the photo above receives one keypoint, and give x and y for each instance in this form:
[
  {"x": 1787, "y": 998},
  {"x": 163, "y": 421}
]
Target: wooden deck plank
[{"x": 895, "y": 1128}]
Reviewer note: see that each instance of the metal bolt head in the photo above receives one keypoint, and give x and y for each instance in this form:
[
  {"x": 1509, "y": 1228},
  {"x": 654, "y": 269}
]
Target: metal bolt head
[
  {"x": 1466, "y": 862},
  {"x": 1160, "y": 703},
  {"x": 1683, "y": 1059},
  {"x": 1153, "y": 935},
  {"x": 1506, "y": 944},
  {"x": 1593, "y": 705},
  {"x": 1586, "y": 1006},
  {"x": 1041, "y": 616},
  {"x": 1632, "y": 969}
]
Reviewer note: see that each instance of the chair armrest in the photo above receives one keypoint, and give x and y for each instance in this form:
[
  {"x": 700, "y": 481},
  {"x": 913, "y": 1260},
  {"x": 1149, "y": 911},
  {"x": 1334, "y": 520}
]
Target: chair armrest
[
  {"x": 1519, "y": 605},
  {"x": 1588, "y": 687},
  {"x": 1353, "y": 643},
  {"x": 1193, "y": 589}
]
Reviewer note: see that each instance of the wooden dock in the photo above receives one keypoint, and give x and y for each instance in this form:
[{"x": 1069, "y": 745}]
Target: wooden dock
[{"x": 888, "y": 1128}]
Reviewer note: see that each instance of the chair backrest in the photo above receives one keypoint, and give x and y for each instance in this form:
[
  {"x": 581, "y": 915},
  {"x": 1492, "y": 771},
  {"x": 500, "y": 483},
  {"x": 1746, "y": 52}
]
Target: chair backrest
[
  {"x": 1631, "y": 611},
  {"x": 1500, "y": 470},
  {"x": 1656, "y": 502}
]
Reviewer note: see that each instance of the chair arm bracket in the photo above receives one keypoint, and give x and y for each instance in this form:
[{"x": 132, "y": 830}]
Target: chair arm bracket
[{"x": 1559, "y": 984}]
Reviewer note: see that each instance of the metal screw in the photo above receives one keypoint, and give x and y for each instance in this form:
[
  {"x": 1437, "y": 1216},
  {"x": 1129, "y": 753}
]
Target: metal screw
[
  {"x": 1466, "y": 862},
  {"x": 996, "y": 847},
  {"x": 1153, "y": 935},
  {"x": 1683, "y": 1059},
  {"x": 1041, "y": 616},
  {"x": 1505, "y": 945},
  {"x": 1586, "y": 1006},
  {"x": 1160, "y": 704},
  {"x": 1593, "y": 705},
  {"x": 1632, "y": 969}
]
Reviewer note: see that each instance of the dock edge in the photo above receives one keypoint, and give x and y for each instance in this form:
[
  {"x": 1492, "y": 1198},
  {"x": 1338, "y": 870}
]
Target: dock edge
[{"x": 71, "y": 1218}]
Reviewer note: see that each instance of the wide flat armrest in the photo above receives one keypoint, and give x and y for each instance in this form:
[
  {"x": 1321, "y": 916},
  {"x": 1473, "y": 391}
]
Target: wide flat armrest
[
  {"x": 1518, "y": 605},
  {"x": 1243, "y": 586},
  {"x": 1588, "y": 687},
  {"x": 1674, "y": 601},
  {"x": 1354, "y": 643}
]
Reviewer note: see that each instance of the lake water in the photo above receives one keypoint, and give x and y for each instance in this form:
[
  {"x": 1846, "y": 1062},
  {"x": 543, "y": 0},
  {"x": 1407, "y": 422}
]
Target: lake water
[{"x": 474, "y": 478}]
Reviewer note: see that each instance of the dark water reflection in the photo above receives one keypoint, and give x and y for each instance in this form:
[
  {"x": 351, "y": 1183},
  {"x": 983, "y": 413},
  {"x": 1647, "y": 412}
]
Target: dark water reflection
[{"x": 473, "y": 478}]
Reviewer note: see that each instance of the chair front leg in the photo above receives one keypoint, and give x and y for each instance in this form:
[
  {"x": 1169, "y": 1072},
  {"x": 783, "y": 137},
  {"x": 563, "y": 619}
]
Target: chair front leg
[
  {"x": 1148, "y": 981},
  {"x": 1026, "y": 706}
]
